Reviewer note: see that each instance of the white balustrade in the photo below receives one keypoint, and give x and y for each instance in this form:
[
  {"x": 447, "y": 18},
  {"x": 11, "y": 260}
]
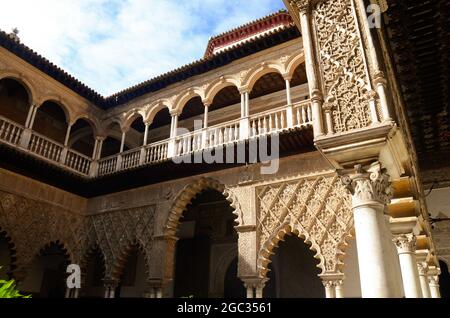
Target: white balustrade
[
  {"x": 267, "y": 122},
  {"x": 78, "y": 162},
  {"x": 222, "y": 134},
  {"x": 45, "y": 147},
  {"x": 303, "y": 113},
  {"x": 156, "y": 152},
  {"x": 130, "y": 159},
  {"x": 107, "y": 165},
  {"x": 9, "y": 131}
]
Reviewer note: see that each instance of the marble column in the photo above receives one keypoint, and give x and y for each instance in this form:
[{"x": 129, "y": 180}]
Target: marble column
[
  {"x": 433, "y": 282},
  {"x": 406, "y": 247},
  {"x": 371, "y": 191},
  {"x": 423, "y": 276}
]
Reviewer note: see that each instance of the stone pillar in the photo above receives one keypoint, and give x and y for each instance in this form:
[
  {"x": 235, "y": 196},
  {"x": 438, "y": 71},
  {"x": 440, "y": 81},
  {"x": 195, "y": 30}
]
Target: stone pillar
[
  {"x": 371, "y": 191},
  {"x": 433, "y": 282},
  {"x": 310, "y": 62},
  {"x": 244, "y": 128},
  {"x": 406, "y": 247},
  {"x": 173, "y": 132},
  {"x": 339, "y": 288},
  {"x": 122, "y": 142},
  {"x": 110, "y": 288},
  {"x": 329, "y": 289},
  {"x": 33, "y": 117},
  {"x": 254, "y": 287},
  {"x": 423, "y": 276},
  {"x": 289, "y": 109},
  {"x": 147, "y": 125},
  {"x": 30, "y": 115}
]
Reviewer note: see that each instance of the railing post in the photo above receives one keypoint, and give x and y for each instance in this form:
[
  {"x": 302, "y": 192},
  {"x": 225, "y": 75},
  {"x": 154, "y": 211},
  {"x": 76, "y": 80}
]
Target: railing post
[{"x": 25, "y": 138}]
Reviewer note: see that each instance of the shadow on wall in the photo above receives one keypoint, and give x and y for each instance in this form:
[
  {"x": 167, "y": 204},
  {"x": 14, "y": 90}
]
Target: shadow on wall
[{"x": 444, "y": 280}]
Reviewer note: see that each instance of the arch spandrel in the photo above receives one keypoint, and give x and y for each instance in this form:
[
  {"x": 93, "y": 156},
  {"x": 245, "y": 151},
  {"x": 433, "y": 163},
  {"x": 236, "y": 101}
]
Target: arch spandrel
[{"x": 317, "y": 210}]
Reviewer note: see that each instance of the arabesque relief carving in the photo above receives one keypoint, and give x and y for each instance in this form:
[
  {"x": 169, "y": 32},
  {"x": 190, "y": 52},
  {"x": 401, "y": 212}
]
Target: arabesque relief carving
[{"x": 318, "y": 210}]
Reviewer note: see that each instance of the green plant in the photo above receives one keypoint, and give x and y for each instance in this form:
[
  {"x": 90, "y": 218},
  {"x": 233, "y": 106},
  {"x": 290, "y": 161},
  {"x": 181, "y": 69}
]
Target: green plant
[{"x": 8, "y": 289}]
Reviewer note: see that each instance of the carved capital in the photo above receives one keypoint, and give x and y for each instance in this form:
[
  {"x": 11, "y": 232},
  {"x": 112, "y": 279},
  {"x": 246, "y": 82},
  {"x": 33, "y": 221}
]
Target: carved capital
[
  {"x": 303, "y": 6},
  {"x": 405, "y": 243},
  {"x": 379, "y": 79},
  {"x": 368, "y": 186},
  {"x": 423, "y": 268},
  {"x": 316, "y": 96}
]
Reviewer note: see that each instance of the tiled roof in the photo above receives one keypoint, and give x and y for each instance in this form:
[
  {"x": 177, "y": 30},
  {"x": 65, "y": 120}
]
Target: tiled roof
[{"x": 230, "y": 54}]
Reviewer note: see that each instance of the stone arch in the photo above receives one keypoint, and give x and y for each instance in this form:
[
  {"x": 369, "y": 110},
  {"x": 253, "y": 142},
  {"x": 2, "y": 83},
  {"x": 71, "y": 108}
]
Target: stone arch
[
  {"x": 32, "y": 95},
  {"x": 270, "y": 245},
  {"x": 11, "y": 248},
  {"x": 316, "y": 209},
  {"x": 155, "y": 109},
  {"x": 63, "y": 105},
  {"x": 94, "y": 122},
  {"x": 188, "y": 194},
  {"x": 185, "y": 97},
  {"x": 130, "y": 117},
  {"x": 121, "y": 260},
  {"x": 259, "y": 71},
  {"x": 217, "y": 85},
  {"x": 293, "y": 62}
]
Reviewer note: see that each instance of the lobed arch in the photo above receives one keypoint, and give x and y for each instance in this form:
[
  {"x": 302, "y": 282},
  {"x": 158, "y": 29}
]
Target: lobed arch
[
  {"x": 22, "y": 80},
  {"x": 186, "y": 195},
  {"x": 182, "y": 100},
  {"x": 118, "y": 264},
  {"x": 271, "y": 244},
  {"x": 293, "y": 63},
  {"x": 259, "y": 71},
  {"x": 217, "y": 85},
  {"x": 11, "y": 248}
]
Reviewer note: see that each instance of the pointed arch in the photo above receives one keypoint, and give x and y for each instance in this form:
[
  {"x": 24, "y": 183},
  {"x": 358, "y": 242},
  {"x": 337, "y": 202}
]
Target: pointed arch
[
  {"x": 188, "y": 194},
  {"x": 124, "y": 253}
]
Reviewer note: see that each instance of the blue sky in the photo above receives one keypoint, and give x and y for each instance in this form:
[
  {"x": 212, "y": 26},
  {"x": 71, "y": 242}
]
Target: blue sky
[{"x": 112, "y": 44}]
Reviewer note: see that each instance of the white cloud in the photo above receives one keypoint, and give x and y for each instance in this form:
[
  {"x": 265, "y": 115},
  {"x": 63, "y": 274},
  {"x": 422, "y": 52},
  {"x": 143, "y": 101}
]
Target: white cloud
[{"x": 113, "y": 44}]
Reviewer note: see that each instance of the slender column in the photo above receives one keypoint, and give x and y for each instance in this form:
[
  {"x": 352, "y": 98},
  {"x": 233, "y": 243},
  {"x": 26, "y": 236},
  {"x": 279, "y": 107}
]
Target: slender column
[
  {"x": 68, "y": 292},
  {"x": 247, "y": 104},
  {"x": 173, "y": 132},
  {"x": 314, "y": 92},
  {"x": 244, "y": 123},
  {"x": 329, "y": 289},
  {"x": 33, "y": 117},
  {"x": 406, "y": 247},
  {"x": 339, "y": 288},
  {"x": 434, "y": 286},
  {"x": 289, "y": 110},
  {"x": 147, "y": 125},
  {"x": 371, "y": 191},
  {"x": 66, "y": 140},
  {"x": 205, "y": 119},
  {"x": 30, "y": 114},
  {"x": 423, "y": 268},
  {"x": 249, "y": 291},
  {"x": 110, "y": 286},
  {"x": 122, "y": 143}
]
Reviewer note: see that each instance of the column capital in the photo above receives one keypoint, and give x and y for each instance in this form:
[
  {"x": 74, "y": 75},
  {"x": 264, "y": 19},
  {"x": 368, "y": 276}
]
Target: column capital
[
  {"x": 110, "y": 283},
  {"x": 316, "y": 96},
  {"x": 405, "y": 243},
  {"x": 423, "y": 268},
  {"x": 303, "y": 6},
  {"x": 368, "y": 185},
  {"x": 100, "y": 138},
  {"x": 206, "y": 102},
  {"x": 379, "y": 79}
]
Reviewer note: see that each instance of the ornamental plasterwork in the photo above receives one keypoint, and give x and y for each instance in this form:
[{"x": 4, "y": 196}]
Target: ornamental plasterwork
[
  {"x": 341, "y": 58},
  {"x": 318, "y": 210}
]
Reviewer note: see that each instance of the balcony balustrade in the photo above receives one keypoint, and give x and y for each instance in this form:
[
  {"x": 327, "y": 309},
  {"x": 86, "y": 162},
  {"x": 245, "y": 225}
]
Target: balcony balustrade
[{"x": 261, "y": 124}]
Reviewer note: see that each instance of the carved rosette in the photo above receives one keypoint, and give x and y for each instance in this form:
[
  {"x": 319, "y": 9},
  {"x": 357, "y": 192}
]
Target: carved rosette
[
  {"x": 405, "y": 243},
  {"x": 371, "y": 186}
]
